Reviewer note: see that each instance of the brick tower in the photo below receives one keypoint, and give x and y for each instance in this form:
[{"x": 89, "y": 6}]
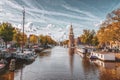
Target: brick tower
[{"x": 71, "y": 38}]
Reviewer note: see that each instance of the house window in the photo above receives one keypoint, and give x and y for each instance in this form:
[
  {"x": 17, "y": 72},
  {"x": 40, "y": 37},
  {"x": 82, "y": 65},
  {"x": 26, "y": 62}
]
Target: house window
[{"x": 101, "y": 56}]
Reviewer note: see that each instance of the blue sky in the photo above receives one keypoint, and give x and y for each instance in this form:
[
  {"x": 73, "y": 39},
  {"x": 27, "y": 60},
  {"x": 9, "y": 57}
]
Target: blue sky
[{"x": 53, "y": 17}]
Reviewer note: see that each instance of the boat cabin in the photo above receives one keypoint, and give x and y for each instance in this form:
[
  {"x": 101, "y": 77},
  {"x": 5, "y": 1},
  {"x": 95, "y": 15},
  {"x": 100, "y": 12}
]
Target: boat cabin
[{"x": 105, "y": 56}]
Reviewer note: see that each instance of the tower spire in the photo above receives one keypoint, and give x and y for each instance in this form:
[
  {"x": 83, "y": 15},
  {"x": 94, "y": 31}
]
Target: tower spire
[{"x": 71, "y": 29}]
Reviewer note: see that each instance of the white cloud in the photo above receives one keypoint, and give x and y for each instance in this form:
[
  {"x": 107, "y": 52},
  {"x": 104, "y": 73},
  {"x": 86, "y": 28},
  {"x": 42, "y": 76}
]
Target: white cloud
[
  {"x": 68, "y": 26},
  {"x": 80, "y": 11},
  {"x": 49, "y": 26},
  {"x": 98, "y": 23}
]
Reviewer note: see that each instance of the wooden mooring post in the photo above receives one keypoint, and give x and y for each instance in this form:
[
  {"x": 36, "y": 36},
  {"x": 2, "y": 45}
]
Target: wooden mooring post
[{"x": 12, "y": 65}]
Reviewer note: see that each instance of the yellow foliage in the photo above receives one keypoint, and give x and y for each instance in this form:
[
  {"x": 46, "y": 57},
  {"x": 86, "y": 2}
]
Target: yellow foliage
[{"x": 33, "y": 39}]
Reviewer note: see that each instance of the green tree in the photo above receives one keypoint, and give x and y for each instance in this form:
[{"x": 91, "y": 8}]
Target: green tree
[
  {"x": 87, "y": 36},
  {"x": 6, "y": 32},
  {"x": 95, "y": 41}
]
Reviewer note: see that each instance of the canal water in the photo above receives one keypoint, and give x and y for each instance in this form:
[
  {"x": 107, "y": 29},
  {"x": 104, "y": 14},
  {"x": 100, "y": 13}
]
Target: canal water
[{"x": 61, "y": 63}]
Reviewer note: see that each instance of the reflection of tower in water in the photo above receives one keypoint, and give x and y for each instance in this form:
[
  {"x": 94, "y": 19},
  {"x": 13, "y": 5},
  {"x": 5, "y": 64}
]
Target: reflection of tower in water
[{"x": 71, "y": 59}]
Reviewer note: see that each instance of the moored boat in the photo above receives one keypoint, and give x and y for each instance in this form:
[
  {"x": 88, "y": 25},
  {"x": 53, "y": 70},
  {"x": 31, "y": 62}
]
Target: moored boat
[
  {"x": 27, "y": 54},
  {"x": 93, "y": 57},
  {"x": 3, "y": 64}
]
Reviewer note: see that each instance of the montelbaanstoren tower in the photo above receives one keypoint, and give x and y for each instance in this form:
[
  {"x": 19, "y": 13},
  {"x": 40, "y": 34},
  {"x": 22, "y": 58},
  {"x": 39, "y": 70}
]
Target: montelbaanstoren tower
[{"x": 71, "y": 38}]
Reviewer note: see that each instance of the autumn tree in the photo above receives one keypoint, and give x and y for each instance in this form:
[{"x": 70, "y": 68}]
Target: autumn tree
[
  {"x": 6, "y": 32},
  {"x": 41, "y": 39},
  {"x": 65, "y": 42},
  {"x": 87, "y": 36},
  {"x": 110, "y": 29},
  {"x": 95, "y": 41},
  {"x": 18, "y": 37},
  {"x": 45, "y": 40},
  {"x": 114, "y": 21},
  {"x": 33, "y": 39}
]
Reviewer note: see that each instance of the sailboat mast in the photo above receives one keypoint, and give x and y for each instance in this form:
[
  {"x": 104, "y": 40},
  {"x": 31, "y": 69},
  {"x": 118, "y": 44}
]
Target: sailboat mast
[{"x": 23, "y": 27}]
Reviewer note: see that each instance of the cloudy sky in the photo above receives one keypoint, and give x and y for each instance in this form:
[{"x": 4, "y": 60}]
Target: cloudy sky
[{"x": 53, "y": 17}]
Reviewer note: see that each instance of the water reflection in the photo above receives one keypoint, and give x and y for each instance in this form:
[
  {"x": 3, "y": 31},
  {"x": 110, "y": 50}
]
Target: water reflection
[
  {"x": 7, "y": 76},
  {"x": 71, "y": 59},
  {"x": 108, "y": 70},
  {"x": 45, "y": 53},
  {"x": 90, "y": 69},
  {"x": 87, "y": 65}
]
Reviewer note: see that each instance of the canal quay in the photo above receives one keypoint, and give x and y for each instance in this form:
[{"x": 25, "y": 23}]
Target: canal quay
[{"x": 61, "y": 63}]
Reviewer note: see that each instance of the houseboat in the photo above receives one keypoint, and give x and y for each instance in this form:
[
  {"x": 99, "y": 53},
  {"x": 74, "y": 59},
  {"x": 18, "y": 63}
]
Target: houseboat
[
  {"x": 107, "y": 65},
  {"x": 105, "y": 56}
]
